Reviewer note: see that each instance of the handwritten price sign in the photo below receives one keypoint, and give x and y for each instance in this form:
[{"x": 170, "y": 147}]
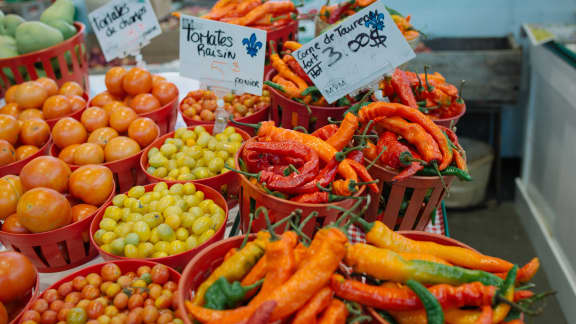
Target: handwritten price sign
[
  {"x": 354, "y": 53},
  {"x": 124, "y": 26},
  {"x": 222, "y": 55}
]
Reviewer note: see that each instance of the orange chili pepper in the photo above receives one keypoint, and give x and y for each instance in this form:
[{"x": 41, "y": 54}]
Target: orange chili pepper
[
  {"x": 257, "y": 272},
  {"x": 420, "y": 256},
  {"x": 308, "y": 313},
  {"x": 336, "y": 313},
  {"x": 283, "y": 69},
  {"x": 370, "y": 152},
  {"x": 345, "y": 132},
  {"x": 525, "y": 273},
  {"x": 291, "y": 45}
]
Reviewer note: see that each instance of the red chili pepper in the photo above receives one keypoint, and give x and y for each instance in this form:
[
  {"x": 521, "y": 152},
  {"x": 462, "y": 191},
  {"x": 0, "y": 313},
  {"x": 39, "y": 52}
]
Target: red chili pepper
[
  {"x": 371, "y": 151},
  {"x": 293, "y": 64},
  {"x": 402, "y": 298},
  {"x": 286, "y": 183},
  {"x": 522, "y": 294},
  {"x": 337, "y": 12},
  {"x": 324, "y": 178},
  {"x": 325, "y": 132},
  {"x": 525, "y": 273},
  {"x": 401, "y": 84},
  {"x": 393, "y": 153},
  {"x": 364, "y": 175},
  {"x": 486, "y": 315},
  {"x": 262, "y": 314}
]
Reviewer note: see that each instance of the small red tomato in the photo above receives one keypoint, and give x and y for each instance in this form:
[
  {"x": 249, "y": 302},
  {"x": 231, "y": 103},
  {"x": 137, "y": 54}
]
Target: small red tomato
[
  {"x": 163, "y": 302},
  {"x": 94, "y": 279},
  {"x": 49, "y": 317},
  {"x": 165, "y": 318},
  {"x": 79, "y": 282},
  {"x": 142, "y": 270},
  {"x": 63, "y": 313},
  {"x": 124, "y": 281},
  {"x": 150, "y": 314},
  {"x": 40, "y": 305},
  {"x": 73, "y": 297},
  {"x": 31, "y": 315},
  {"x": 111, "y": 272},
  {"x": 149, "y": 301},
  {"x": 160, "y": 274},
  {"x": 171, "y": 285},
  {"x": 51, "y": 295},
  {"x": 65, "y": 289},
  {"x": 120, "y": 301},
  {"x": 95, "y": 309},
  {"x": 155, "y": 290},
  {"x": 135, "y": 300},
  {"x": 90, "y": 292},
  {"x": 57, "y": 305}
]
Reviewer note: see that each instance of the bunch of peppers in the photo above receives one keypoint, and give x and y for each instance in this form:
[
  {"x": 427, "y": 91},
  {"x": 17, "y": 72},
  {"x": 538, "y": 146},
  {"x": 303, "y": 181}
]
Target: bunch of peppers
[
  {"x": 291, "y": 278},
  {"x": 319, "y": 167},
  {"x": 332, "y": 14},
  {"x": 410, "y": 141},
  {"x": 253, "y": 13},
  {"x": 428, "y": 92},
  {"x": 292, "y": 81}
]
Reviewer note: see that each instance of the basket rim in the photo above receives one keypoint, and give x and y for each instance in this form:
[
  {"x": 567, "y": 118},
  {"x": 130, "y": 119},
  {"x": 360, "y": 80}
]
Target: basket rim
[
  {"x": 80, "y": 28},
  {"x": 196, "y": 250},
  {"x": 163, "y": 138},
  {"x": 392, "y": 171},
  {"x": 65, "y": 228},
  {"x": 40, "y": 152},
  {"x": 270, "y": 75}
]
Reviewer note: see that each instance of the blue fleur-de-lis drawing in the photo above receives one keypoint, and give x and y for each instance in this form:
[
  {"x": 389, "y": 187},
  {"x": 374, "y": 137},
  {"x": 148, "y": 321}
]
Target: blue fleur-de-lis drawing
[
  {"x": 376, "y": 20},
  {"x": 252, "y": 45}
]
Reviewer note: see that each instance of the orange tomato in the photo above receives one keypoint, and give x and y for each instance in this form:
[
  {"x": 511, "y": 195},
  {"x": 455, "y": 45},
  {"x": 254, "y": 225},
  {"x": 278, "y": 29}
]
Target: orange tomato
[
  {"x": 43, "y": 209},
  {"x": 102, "y": 136},
  {"x": 9, "y": 196},
  {"x": 121, "y": 118},
  {"x": 12, "y": 225},
  {"x": 9, "y": 128},
  {"x": 10, "y": 109},
  {"x": 111, "y": 106},
  {"x": 31, "y": 114},
  {"x": 114, "y": 79},
  {"x": 92, "y": 184},
  {"x": 67, "y": 153},
  {"x": 34, "y": 132},
  {"x": 68, "y": 131},
  {"x": 56, "y": 106},
  {"x": 45, "y": 171},
  {"x": 165, "y": 92},
  {"x": 88, "y": 153},
  {"x": 94, "y": 118},
  {"x": 10, "y": 95},
  {"x": 49, "y": 85},
  {"x": 120, "y": 147},
  {"x": 102, "y": 98},
  {"x": 30, "y": 95},
  {"x": 17, "y": 276},
  {"x": 15, "y": 181},
  {"x": 143, "y": 130},
  {"x": 81, "y": 211},
  {"x": 7, "y": 153},
  {"x": 77, "y": 103},
  {"x": 144, "y": 103},
  {"x": 157, "y": 79},
  {"x": 25, "y": 151},
  {"x": 137, "y": 81},
  {"x": 71, "y": 88}
]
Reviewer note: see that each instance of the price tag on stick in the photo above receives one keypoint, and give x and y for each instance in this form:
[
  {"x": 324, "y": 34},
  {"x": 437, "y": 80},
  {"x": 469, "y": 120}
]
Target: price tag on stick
[
  {"x": 354, "y": 53},
  {"x": 123, "y": 27},
  {"x": 222, "y": 55}
]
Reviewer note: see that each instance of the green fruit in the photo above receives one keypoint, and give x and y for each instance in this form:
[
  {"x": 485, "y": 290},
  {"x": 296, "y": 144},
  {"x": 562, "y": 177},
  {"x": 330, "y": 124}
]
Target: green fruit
[
  {"x": 67, "y": 30},
  {"x": 166, "y": 233},
  {"x": 59, "y": 10},
  {"x": 11, "y": 23},
  {"x": 34, "y": 36}
]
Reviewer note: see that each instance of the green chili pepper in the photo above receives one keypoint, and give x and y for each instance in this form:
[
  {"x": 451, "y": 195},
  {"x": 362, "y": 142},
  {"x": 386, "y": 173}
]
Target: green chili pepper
[
  {"x": 431, "y": 272},
  {"x": 434, "y": 312},
  {"x": 344, "y": 101},
  {"x": 275, "y": 86},
  {"x": 224, "y": 295},
  {"x": 310, "y": 90},
  {"x": 355, "y": 108},
  {"x": 393, "y": 12},
  {"x": 429, "y": 171},
  {"x": 507, "y": 284}
]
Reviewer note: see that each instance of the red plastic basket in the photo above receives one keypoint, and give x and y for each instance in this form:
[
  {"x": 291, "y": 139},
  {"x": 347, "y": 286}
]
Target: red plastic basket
[
  {"x": 426, "y": 195},
  {"x": 452, "y": 121},
  {"x": 419, "y": 236},
  {"x": 256, "y": 117},
  {"x": 16, "y": 167},
  {"x": 76, "y": 115},
  {"x": 126, "y": 172},
  {"x": 58, "y": 250},
  {"x": 252, "y": 197},
  {"x": 288, "y": 113},
  {"x": 31, "y": 297},
  {"x": 201, "y": 266},
  {"x": 177, "y": 261},
  {"x": 228, "y": 179},
  {"x": 73, "y": 48}
]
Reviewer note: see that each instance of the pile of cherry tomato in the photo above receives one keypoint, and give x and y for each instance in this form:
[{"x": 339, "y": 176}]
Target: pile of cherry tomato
[
  {"x": 47, "y": 195},
  {"x": 43, "y": 99},
  {"x": 200, "y": 105},
  {"x": 111, "y": 296}
]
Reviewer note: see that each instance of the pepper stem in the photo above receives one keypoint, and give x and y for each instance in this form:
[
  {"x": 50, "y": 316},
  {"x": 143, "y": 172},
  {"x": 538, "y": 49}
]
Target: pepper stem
[
  {"x": 353, "y": 184},
  {"x": 461, "y": 91},
  {"x": 357, "y": 106},
  {"x": 420, "y": 87},
  {"x": 245, "y": 240},
  {"x": 254, "y": 285},
  {"x": 263, "y": 210},
  {"x": 283, "y": 220},
  {"x": 435, "y": 165},
  {"x": 377, "y": 158},
  {"x": 325, "y": 189},
  {"x": 332, "y": 121},
  {"x": 248, "y": 174},
  {"x": 430, "y": 88},
  {"x": 255, "y": 126},
  {"x": 366, "y": 225},
  {"x": 301, "y": 129},
  {"x": 407, "y": 158}
]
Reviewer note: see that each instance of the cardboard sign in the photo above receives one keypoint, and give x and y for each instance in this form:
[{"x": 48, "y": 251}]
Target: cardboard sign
[
  {"x": 354, "y": 53},
  {"x": 124, "y": 26},
  {"x": 222, "y": 55}
]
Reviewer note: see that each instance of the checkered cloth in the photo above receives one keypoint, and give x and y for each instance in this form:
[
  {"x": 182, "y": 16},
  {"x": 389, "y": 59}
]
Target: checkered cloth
[{"x": 358, "y": 236}]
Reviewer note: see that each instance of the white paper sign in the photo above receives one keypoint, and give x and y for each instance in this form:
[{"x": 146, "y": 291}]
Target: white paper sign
[
  {"x": 222, "y": 55},
  {"x": 354, "y": 53},
  {"x": 124, "y": 26}
]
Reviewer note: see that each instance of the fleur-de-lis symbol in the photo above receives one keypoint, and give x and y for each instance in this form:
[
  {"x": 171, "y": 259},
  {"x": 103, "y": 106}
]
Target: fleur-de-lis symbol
[
  {"x": 252, "y": 45},
  {"x": 376, "y": 20}
]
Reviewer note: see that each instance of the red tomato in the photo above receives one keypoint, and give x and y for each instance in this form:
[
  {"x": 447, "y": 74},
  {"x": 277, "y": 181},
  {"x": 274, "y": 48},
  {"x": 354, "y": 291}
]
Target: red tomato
[
  {"x": 71, "y": 88},
  {"x": 93, "y": 184},
  {"x": 49, "y": 85},
  {"x": 102, "y": 136},
  {"x": 10, "y": 109},
  {"x": 56, "y": 106},
  {"x": 137, "y": 81},
  {"x": 9, "y": 128},
  {"x": 7, "y": 153},
  {"x": 144, "y": 103},
  {"x": 143, "y": 130},
  {"x": 121, "y": 118},
  {"x": 81, "y": 211},
  {"x": 88, "y": 153},
  {"x": 12, "y": 225},
  {"x": 68, "y": 131},
  {"x": 17, "y": 276},
  {"x": 34, "y": 132},
  {"x": 160, "y": 274},
  {"x": 43, "y": 209},
  {"x": 94, "y": 118},
  {"x": 165, "y": 92},
  {"x": 67, "y": 154},
  {"x": 119, "y": 148},
  {"x": 102, "y": 98},
  {"x": 25, "y": 151},
  {"x": 45, "y": 171},
  {"x": 114, "y": 79},
  {"x": 29, "y": 95}
]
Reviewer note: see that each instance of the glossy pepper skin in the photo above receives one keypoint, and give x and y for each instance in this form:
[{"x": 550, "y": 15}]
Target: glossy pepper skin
[
  {"x": 402, "y": 298},
  {"x": 235, "y": 267},
  {"x": 345, "y": 132},
  {"x": 324, "y": 178},
  {"x": 308, "y": 313},
  {"x": 434, "y": 313},
  {"x": 385, "y": 264},
  {"x": 325, "y": 132},
  {"x": 224, "y": 295},
  {"x": 336, "y": 313},
  {"x": 393, "y": 150},
  {"x": 382, "y": 236},
  {"x": 280, "y": 182},
  {"x": 401, "y": 84}
]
